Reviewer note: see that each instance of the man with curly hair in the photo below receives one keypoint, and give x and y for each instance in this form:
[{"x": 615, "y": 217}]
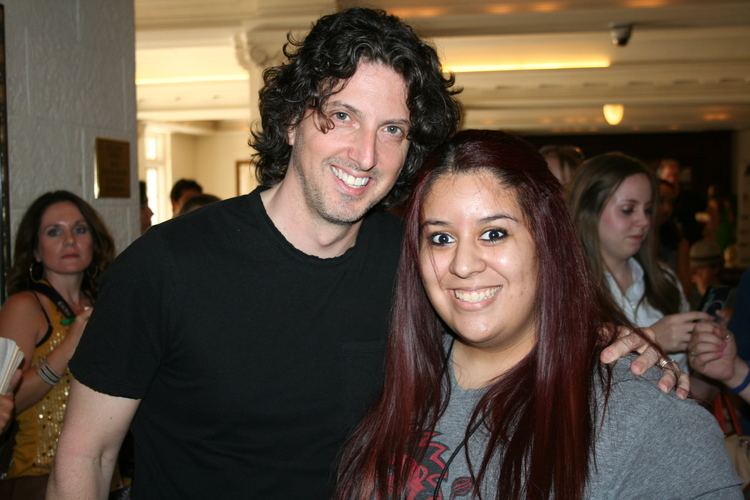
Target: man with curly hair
[{"x": 245, "y": 341}]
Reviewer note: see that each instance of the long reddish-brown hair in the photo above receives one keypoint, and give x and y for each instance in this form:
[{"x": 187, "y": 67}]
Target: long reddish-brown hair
[{"x": 539, "y": 414}]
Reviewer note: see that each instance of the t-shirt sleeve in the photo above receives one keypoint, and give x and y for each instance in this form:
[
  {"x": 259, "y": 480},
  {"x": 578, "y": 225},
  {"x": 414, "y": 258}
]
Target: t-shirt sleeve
[{"x": 128, "y": 332}]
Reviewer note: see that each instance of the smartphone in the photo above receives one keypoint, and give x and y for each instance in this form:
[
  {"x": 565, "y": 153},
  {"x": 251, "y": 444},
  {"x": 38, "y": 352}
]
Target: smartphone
[{"x": 714, "y": 300}]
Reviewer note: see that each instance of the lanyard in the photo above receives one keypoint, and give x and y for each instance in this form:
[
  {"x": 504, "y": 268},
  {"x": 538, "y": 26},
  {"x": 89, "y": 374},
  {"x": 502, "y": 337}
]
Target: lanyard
[{"x": 53, "y": 295}]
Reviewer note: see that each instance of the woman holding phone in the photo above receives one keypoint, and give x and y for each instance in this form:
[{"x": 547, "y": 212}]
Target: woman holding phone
[{"x": 612, "y": 200}]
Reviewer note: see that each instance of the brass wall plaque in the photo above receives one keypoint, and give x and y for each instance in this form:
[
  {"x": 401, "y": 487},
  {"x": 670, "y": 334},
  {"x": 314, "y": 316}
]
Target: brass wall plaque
[{"x": 112, "y": 168}]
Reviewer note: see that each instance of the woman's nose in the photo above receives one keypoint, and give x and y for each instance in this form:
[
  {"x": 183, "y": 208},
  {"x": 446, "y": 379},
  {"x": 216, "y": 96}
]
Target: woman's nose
[{"x": 467, "y": 260}]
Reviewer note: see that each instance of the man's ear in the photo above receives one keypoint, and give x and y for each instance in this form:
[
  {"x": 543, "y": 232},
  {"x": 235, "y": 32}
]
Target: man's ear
[{"x": 290, "y": 134}]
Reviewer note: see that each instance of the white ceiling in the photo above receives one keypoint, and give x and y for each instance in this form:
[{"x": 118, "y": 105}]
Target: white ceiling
[{"x": 686, "y": 66}]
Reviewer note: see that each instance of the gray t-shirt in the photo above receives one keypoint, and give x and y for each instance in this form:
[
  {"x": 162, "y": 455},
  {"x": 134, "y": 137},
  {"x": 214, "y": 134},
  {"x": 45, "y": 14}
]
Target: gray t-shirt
[{"x": 650, "y": 445}]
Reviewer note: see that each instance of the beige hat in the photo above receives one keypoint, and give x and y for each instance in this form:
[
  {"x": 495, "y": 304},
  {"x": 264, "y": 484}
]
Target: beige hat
[{"x": 705, "y": 253}]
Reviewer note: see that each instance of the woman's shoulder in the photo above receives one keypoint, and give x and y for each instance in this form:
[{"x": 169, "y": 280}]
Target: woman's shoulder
[
  {"x": 655, "y": 444},
  {"x": 640, "y": 399},
  {"x": 23, "y": 302},
  {"x": 21, "y": 316}
]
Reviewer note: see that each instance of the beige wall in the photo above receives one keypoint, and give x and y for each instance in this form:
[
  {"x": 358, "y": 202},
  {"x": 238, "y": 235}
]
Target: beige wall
[
  {"x": 210, "y": 158},
  {"x": 183, "y": 151},
  {"x": 70, "y": 78},
  {"x": 216, "y": 157}
]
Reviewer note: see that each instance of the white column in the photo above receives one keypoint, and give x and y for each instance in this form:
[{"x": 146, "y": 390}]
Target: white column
[{"x": 259, "y": 46}]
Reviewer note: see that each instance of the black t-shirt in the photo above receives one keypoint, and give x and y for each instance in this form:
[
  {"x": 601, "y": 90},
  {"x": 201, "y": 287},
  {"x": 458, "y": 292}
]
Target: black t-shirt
[{"x": 253, "y": 360}]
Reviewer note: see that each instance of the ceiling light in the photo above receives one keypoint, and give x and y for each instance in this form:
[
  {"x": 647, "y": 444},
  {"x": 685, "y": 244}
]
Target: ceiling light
[
  {"x": 613, "y": 113},
  {"x": 192, "y": 79},
  {"x": 417, "y": 12},
  {"x": 719, "y": 116},
  {"x": 530, "y": 66}
]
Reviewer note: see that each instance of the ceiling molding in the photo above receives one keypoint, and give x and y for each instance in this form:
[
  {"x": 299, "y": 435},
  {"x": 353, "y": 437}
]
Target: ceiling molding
[{"x": 686, "y": 66}]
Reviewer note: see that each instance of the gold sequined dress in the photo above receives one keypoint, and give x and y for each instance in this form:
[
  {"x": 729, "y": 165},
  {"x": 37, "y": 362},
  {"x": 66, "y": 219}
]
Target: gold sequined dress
[{"x": 39, "y": 426}]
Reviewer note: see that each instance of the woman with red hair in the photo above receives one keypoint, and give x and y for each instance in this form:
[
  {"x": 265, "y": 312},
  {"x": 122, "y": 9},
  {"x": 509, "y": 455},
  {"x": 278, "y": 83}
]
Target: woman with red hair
[{"x": 494, "y": 386}]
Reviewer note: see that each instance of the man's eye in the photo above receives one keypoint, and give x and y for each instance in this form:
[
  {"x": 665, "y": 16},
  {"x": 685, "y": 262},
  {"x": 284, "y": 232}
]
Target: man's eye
[
  {"x": 441, "y": 239},
  {"x": 394, "y": 130},
  {"x": 493, "y": 235},
  {"x": 340, "y": 116}
]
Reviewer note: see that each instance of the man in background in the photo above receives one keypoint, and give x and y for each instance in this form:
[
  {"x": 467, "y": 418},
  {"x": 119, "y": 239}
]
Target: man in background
[
  {"x": 145, "y": 211},
  {"x": 182, "y": 191},
  {"x": 687, "y": 202}
]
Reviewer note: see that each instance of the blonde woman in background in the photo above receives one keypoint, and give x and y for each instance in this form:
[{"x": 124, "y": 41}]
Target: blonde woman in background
[{"x": 612, "y": 200}]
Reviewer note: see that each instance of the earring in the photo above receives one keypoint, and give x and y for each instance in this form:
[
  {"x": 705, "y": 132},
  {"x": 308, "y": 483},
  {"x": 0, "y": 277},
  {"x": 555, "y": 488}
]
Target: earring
[{"x": 36, "y": 271}]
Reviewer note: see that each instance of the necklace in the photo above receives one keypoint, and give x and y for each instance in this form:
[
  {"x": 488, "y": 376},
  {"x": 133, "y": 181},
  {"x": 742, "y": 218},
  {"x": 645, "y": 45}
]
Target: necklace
[
  {"x": 464, "y": 441},
  {"x": 461, "y": 446}
]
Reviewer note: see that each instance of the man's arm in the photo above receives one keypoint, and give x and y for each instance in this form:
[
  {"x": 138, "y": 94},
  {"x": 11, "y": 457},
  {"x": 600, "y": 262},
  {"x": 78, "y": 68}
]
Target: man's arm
[{"x": 94, "y": 427}]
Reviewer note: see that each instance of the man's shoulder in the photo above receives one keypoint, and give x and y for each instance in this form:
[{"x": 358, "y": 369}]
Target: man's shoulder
[
  {"x": 204, "y": 224},
  {"x": 220, "y": 212}
]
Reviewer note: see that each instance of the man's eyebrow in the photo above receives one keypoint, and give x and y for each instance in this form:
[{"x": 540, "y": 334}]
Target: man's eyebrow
[{"x": 356, "y": 112}]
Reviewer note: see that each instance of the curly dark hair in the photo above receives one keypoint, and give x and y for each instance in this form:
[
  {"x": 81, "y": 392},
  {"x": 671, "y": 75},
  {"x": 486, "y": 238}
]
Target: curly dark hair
[
  {"x": 328, "y": 55},
  {"x": 27, "y": 240}
]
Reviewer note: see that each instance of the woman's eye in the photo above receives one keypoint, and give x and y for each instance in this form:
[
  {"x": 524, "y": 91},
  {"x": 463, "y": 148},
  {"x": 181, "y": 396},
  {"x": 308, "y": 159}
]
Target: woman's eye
[
  {"x": 53, "y": 231},
  {"x": 441, "y": 239},
  {"x": 493, "y": 235},
  {"x": 627, "y": 210},
  {"x": 82, "y": 229}
]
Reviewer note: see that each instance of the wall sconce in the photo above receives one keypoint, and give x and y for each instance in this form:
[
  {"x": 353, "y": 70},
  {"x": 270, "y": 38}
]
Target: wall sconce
[{"x": 613, "y": 113}]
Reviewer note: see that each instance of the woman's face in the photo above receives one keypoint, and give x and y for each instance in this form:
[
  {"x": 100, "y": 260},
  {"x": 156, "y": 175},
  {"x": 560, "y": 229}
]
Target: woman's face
[
  {"x": 65, "y": 242},
  {"x": 478, "y": 262},
  {"x": 625, "y": 219}
]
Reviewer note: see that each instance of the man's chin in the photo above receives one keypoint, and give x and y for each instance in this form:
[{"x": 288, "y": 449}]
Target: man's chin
[
  {"x": 343, "y": 220},
  {"x": 346, "y": 216}
]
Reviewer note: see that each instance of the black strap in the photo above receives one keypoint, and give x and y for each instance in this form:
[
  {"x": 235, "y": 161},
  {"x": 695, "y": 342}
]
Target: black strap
[
  {"x": 46, "y": 316},
  {"x": 53, "y": 295},
  {"x": 44, "y": 311}
]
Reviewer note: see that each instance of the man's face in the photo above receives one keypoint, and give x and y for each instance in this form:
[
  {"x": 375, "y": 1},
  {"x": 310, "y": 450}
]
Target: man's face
[
  {"x": 670, "y": 172},
  {"x": 347, "y": 170},
  {"x": 184, "y": 196},
  {"x": 666, "y": 202}
]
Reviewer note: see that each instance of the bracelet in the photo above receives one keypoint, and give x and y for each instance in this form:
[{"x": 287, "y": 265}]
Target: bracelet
[
  {"x": 742, "y": 386},
  {"x": 46, "y": 373}
]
